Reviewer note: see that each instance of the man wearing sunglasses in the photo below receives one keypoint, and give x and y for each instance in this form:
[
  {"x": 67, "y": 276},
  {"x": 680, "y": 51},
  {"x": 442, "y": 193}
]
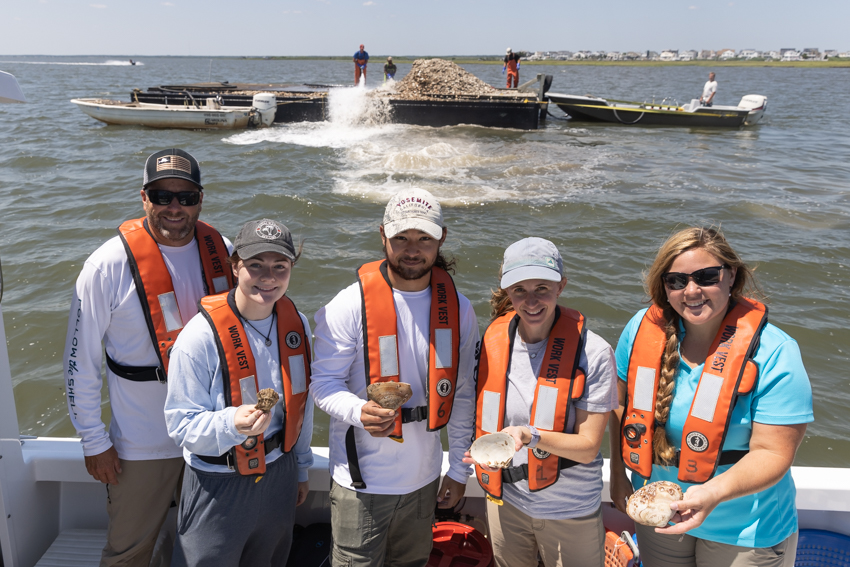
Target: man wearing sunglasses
[{"x": 134, "y": 295}]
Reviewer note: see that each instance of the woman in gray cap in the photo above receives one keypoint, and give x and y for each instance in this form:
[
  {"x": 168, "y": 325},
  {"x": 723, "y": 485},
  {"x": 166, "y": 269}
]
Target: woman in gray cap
[
  {"x": 548, "y": 382},
  {"x": 247, "y": 459}
]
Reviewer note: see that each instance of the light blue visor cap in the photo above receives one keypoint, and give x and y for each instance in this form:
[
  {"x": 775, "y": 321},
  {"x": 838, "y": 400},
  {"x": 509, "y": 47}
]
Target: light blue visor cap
[{"x": 531, "y": 259}]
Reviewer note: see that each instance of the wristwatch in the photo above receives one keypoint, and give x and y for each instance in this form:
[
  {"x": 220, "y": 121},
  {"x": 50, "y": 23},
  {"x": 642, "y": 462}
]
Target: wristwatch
[{"x": 535, "y": 437}]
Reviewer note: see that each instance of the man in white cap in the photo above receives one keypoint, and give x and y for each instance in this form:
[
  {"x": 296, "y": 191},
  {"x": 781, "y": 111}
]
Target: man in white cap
[
  {"x": 512, "y": 67},
  {"x": 403, "y": 321}
]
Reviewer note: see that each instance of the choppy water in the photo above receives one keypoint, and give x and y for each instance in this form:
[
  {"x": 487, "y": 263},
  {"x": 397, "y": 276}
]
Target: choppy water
[{"x": 606, "y": 195}]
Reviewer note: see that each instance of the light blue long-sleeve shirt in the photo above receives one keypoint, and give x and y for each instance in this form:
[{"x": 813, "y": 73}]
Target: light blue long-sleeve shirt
[{"x": 196, "y": 414}]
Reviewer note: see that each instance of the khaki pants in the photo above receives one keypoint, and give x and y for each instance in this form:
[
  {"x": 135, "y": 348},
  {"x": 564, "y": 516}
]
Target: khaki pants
[
  {"x": 662, "y": 550},
  {"x": 374, "y": 530},
  {"x": 517, "y": 538},
  {"x": 137, "y": 507}
]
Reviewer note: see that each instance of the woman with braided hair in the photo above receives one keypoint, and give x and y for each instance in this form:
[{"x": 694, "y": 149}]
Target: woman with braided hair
[{"x": 715, "y": 399}]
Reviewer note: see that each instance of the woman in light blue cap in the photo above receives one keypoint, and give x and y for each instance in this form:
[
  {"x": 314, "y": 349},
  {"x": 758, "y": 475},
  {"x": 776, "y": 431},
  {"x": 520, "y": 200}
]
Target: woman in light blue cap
[{"x": 548, "y": 382}]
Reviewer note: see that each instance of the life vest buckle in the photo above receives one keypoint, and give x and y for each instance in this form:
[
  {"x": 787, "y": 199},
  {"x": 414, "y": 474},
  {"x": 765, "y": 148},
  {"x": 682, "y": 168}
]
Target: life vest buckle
[{"x": 160, "y": 375}]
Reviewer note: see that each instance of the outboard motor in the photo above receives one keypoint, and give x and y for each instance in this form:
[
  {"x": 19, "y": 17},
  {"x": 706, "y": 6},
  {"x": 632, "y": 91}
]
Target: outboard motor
[
  {"x": 756, "y": 104},
  {"x": 266, "y": 105}
]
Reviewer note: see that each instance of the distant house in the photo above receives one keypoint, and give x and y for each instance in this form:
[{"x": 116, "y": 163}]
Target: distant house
[
  {"x": 810, "y": 53},
  {"x": 631, "y": 55},
  {"x": 791, "y": 56},
  {"x": 785, "y": 50},
  {"x": 669, "y": 55},
  {"x": 706, "y": 54},
  {"x": 725, "y": 54},
  {"x": 831, "y": 52},
  {"x": 613, "y": 56},
  {"x": 651, "y": 55},
  {"x": 749, "y": 54},
  {"x": 844, "y": 54},
  {"x": 774, "y": 55},
  {"x": 580, "y": 55}
]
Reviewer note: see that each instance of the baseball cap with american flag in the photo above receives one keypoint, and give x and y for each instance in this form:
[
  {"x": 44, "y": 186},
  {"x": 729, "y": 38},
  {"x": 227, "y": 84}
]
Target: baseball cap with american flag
[{"x": 170, "y": 163}]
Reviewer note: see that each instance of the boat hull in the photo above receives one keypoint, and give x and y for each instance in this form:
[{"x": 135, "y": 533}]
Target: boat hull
[
  {"x": 590, "y": 109},
  {"x": 162, "y": 116}
]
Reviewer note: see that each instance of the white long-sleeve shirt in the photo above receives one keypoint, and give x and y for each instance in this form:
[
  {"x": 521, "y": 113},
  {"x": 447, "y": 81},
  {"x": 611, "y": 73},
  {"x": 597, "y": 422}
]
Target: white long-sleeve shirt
[
  {"x": 106, "y": 312},
  {"x": 339, "y": 389},
  {"x": 196, "y": 413}
]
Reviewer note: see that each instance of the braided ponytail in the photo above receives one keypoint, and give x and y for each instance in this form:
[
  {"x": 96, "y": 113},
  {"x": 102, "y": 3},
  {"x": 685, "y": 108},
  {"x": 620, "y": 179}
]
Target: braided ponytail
[{"x": 663, "y": 451}]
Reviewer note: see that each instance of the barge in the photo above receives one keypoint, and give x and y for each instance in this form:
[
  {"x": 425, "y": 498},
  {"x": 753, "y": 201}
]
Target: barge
[{"x": 522, "y": 108}]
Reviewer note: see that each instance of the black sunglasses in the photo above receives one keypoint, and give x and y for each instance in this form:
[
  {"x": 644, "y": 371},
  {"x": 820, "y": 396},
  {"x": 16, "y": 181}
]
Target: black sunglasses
[
  {"x": 163, "y": 197},
  {"x": 703, "y": 278}
]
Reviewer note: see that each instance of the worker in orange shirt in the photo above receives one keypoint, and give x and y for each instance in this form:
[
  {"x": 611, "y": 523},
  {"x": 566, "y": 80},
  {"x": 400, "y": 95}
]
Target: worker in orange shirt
[
  {"x": 361, "y": 58},
  {"x": 512, "y": 67}
]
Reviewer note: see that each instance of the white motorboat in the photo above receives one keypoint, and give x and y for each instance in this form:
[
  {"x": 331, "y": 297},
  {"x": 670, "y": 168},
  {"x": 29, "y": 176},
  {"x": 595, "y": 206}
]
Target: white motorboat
[
  {"x": 205, "y": 114},
  {"x": 10, "y": 90}
]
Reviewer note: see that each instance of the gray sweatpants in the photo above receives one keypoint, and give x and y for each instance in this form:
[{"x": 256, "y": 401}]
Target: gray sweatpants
[{"x": 232, "y": 520}]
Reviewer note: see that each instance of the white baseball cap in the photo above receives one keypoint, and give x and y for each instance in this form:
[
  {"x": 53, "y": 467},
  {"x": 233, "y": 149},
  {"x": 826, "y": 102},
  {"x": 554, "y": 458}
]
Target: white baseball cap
[
  {"x": 413, "y": 209},
  {"x": 509, "y": 50},
  {"x": 531, "y": 259}
]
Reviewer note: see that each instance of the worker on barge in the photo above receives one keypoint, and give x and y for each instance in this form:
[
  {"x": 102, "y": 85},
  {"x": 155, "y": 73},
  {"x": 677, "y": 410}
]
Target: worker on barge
[
  {"x": 512, "y": 68},
  {"x": 361, "y": 59},
  {"x": 247, "y": 462},
  {"x": 549, "y": 382},
  {"x": 133, "y": 297},
  {"x": 403, "y": 321},
  {"x": 389, "y": 69},
  {"x": 715, "y": 399}
]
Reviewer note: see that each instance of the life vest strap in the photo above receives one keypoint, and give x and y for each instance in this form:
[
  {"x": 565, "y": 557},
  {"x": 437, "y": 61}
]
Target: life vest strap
[
  {"x": 353, "y": 463},
  {"x": 269, "y": 445},
  {"x": 136, "y": 373},
  {"x": 511, "y": 475},
  {"x": 410, "y": 415},
  {"x": 726, "y": 458}
]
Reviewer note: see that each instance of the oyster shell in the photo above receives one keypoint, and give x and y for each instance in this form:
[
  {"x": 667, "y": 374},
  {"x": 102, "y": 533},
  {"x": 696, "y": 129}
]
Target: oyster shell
[
  {"x": 266, "y": 399},
  {"x": 389, "y": 395},
  {"x": 495, "y": 450},
  {"x": 650, "y": 505}
]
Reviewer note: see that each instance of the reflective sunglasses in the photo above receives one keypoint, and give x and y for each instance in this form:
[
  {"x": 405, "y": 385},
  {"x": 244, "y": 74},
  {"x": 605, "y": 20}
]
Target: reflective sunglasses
[
  {"x": 163, "y": 197},
  {"x": 703, "y": 278}
]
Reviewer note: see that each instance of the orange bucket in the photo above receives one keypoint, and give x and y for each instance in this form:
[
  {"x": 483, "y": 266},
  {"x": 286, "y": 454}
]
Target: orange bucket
[
  {"x": 459, "y": 545},
  {"x": 617, "y": 552}
]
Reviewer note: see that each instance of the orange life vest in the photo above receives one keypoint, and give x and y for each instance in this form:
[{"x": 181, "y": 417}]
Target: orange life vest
[
  {"x": 561, "y": 382},
  {"x": 238, "y": 366},
  {"x": 380, "y": 339},
  {"x": 729, "y": 371},
  {"x": 154, "y": 286}
]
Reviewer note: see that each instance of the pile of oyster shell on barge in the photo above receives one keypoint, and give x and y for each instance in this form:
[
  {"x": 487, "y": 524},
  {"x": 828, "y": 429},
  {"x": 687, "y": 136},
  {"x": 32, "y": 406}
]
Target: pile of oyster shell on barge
[
  {"x": 389, "y": 395},
  {"x": 266, "y": 399},
  {"x": 650, "y": 505},
  {"x": 440, "y": 78},
  {"x": 495, "y": 450}
]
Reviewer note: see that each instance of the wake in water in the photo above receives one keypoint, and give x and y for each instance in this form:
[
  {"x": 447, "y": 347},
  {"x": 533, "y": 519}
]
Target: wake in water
[
  {"x": 460, "y": 165},
  {"x": 110, "y": 63}
]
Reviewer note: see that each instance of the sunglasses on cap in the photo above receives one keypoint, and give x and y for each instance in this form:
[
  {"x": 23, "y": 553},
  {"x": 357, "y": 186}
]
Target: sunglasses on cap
[
  {"x": 703, "y": 278},
  {"x": 163, "y": 197}
]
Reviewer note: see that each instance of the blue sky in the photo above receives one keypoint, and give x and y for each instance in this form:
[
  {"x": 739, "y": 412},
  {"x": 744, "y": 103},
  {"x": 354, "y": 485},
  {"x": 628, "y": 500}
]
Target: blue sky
[{"x": 426, "y": 27}]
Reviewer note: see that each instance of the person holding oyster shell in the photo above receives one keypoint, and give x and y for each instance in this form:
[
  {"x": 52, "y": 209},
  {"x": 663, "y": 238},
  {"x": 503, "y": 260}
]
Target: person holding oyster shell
[
  {"x": 548, "y": 382},
  {"x": 247, "y": 454},
  {"x": 715, "y": 399}
]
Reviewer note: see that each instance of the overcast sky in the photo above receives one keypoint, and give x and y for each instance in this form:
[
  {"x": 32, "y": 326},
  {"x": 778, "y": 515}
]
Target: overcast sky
[{"x": 405, "y": 27}]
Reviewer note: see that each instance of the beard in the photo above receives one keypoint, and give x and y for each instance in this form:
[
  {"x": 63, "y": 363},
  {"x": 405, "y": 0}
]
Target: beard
[
  {"x": 408, "y": 273},
  {"x": 155, "y": 220}
]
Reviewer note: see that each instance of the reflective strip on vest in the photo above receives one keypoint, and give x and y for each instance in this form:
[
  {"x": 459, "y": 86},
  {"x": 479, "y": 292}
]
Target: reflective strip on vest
[
  {"x": 560, "y": 382},
  {"x": 239, "y": 370},
  {"x": 153, "y": 281},
  {"x": 728, "y": 372}
]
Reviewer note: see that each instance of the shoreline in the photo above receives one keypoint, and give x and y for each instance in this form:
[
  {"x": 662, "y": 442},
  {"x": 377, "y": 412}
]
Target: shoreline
[{"x": 829, "y": 64}]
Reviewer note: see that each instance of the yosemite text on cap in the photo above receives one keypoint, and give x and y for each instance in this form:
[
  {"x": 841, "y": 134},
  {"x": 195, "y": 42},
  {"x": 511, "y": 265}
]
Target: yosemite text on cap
[{"x": 413, "y": 209}]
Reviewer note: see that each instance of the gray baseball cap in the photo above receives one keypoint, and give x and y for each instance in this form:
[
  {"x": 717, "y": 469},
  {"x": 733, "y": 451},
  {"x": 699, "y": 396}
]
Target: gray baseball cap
[
  {"x": 263, "y": 235},
  {"x": 172, "y": 163},
  {"x": 413, "y": 208},
  {"x": 531, "y": 259}
]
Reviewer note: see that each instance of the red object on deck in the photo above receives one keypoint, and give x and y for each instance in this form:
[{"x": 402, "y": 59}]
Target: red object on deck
[
  {"x": 617, "y": 552},
  {"x": 459, "y": 545}
]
